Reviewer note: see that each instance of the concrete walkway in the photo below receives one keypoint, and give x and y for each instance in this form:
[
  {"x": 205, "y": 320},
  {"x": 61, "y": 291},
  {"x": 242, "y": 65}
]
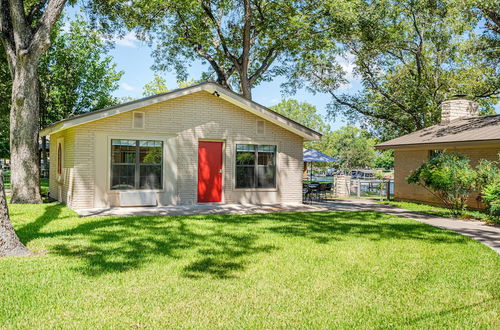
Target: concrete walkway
[{"x": 488, "y": 235}]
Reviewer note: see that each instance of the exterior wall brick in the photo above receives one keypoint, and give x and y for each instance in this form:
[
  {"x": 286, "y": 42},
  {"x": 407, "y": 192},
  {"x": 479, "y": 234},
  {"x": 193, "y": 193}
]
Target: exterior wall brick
[
  {"x": 190, "y": 118},
  {"x": 458, "y": 108},
  {"x": 407, "y": 160}
]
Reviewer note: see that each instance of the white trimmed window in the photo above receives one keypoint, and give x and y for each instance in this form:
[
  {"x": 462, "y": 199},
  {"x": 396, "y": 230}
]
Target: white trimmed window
[
  {"x": 255, "y": 166},
  {"x": 136, "y": 164}
]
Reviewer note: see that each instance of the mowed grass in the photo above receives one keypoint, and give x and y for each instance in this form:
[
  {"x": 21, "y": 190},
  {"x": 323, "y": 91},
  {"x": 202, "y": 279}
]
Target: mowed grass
[
  {"x": 439, "y": 211},
  {"x": 294, "y": 270}
]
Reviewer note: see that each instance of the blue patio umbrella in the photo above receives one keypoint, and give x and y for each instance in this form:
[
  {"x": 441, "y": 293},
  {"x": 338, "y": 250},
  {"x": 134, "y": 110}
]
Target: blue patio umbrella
[{"x": 313, "y": 155}]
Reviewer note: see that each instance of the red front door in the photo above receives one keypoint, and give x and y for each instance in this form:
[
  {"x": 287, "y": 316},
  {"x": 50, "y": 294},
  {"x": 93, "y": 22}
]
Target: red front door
[{"x": 209, "y": 172}]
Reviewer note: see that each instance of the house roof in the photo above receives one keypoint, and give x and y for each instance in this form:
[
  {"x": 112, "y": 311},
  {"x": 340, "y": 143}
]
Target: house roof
[
  {"x": 209, "y": 87},
  {"x": 474, "y": 130}
]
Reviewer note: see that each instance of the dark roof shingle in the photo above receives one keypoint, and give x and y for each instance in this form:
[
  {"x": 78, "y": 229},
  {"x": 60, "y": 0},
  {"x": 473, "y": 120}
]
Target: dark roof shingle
[{"x": 472, "y": 129}]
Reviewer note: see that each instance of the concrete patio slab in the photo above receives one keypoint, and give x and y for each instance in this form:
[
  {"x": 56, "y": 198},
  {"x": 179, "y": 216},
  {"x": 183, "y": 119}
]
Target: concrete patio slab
[{"x": 200, "y": 209}]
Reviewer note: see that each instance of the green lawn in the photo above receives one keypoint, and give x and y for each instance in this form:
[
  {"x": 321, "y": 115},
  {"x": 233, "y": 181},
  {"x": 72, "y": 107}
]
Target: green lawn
[
  {"x": 44, "y": 183},
  {"x": 294, "y": 270},
  {"x": 436, "y": 210}
]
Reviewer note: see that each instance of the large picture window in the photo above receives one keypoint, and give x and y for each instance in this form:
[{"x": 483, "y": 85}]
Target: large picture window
[
  {"x": 136, "y": 164},
  {"x": 255, "y": 166}
]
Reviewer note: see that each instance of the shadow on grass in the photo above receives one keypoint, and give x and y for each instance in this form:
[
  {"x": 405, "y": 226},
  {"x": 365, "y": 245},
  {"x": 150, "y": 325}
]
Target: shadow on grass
[
  {"x": 218, "y": 246},
  {"x": 32, "y": 230}
]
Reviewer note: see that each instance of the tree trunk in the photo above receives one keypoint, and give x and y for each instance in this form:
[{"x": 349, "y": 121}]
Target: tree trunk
[
  {"x": 24, "y": 123},
  {"x": 44, "y": 157},
  {"x": 10, "y": 245},
  {"x": 246, "y": 89}
]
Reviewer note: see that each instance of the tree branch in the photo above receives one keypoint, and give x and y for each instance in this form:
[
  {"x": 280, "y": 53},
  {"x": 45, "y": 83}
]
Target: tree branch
[
  {"x": 6, "y": 35},
  {"x": 41, "y": 38},
  {"x": 266, "y": 63},
  {"x": 208, "y": 10},
  {"x": 222, "y": 75},
  {"x": 20, "y": 29},
  {"x": 35, "y": 9},
  {"x": 367, "y": 113}
]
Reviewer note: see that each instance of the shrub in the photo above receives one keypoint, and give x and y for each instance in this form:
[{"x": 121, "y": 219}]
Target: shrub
[
  {"x": 491, "y": 196},
  {"x": 488, "y": 183},
  {"x": 449, "y": 177}
]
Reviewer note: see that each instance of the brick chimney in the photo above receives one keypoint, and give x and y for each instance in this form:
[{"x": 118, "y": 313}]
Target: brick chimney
[{"x": 458, "y": 107}]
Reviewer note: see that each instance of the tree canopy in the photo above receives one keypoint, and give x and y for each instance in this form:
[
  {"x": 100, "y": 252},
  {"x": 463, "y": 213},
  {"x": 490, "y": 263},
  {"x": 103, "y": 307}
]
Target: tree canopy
[
  {"x": 353, "y": 147},
  {"x": 302, "y": 112},
  {"x": 76, "y": 74},
  {"x": 157, "y": 85},
  {"x": 243, "y": 42},
  {"x": 410, "y": 56}
]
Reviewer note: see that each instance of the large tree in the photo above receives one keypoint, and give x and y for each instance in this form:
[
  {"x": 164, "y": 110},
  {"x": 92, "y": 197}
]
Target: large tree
[
  {"x": 243, "y": 41},
  {"x": 302, "y": 112},
  {"x": 353, "y": 147},
  {"x": 77, "y": 74},
  {"x": 25, "y": 36},
  {"x": 410, "y": 56},
  {"x": 155, "y": 86},
  {"x": 25, "y": 28},
  {"x": 306, "y": 114}
]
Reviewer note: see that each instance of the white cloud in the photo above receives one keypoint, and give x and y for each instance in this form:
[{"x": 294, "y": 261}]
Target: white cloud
[
  {"x": 128, "y": 40},
  {"x": 347, "y": 64},
  {"x": 127, "y": 87},
  {"x": 345, "y": 87}
]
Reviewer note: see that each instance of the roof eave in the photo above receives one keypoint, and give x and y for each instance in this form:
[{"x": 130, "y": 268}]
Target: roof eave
[
  {"x": 216, "y": 90},
  {"x": 487, "y": 142}
]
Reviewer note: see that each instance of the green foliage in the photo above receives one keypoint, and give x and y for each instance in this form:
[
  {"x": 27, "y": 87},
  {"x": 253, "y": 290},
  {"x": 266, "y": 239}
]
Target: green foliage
[
  {"x": 384, "y": 159},
  {"x": 156, "y": 86},
  {"x": 302, "y": 112},
  {"x": 186, "y": 83},
  {"x": 242, "y": 42},
  {"x": 489, "y": 184},
  {"x": 353, "y": 147},
  {"x": 153, "y": 156},
  {"x": 410, "y": 56},
  {"x": 491, "y": 196},
  {"x": 76, "y": 74},
  {"x": 487, "y": 172},
  {"x": 449, "y": 177}
]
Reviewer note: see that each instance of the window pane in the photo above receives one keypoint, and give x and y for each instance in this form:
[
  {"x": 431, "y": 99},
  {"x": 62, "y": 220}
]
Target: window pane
[
  {"x": 123, "y": 151},
  {"x": 266, "y": 158},
  {"x": 245, "y": 147},
  {"x": 122, "y": 176},
  {"x": 245, "y": 158},
  {"x": 150, "y": 177},
  {"x": 266, "y": 176},
  {"x": 150, "y": 152},
  {"x": 265, "y": 148},
  {"x": 245, "y": 176}
]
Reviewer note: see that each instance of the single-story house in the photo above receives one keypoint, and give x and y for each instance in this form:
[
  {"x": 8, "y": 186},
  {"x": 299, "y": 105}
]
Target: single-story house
[
  {"x": 200, "y": 144},
  {"x": 461, "y": 130}
]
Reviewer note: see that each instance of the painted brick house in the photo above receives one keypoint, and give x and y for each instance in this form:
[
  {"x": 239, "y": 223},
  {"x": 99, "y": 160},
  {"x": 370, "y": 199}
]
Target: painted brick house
[
  {"x": 198, "y": 144},
  {"x": 461, "y": 130}
]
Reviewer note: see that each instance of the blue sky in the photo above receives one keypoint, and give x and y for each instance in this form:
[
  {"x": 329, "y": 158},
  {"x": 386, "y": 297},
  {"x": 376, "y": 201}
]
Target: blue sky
[{"x": 133, "y": 58}]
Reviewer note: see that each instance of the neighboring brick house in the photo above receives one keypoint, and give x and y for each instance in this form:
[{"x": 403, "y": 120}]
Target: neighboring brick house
[
  {"x": 198, "y": 144},
  {"x": 461, "y": 130}
]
